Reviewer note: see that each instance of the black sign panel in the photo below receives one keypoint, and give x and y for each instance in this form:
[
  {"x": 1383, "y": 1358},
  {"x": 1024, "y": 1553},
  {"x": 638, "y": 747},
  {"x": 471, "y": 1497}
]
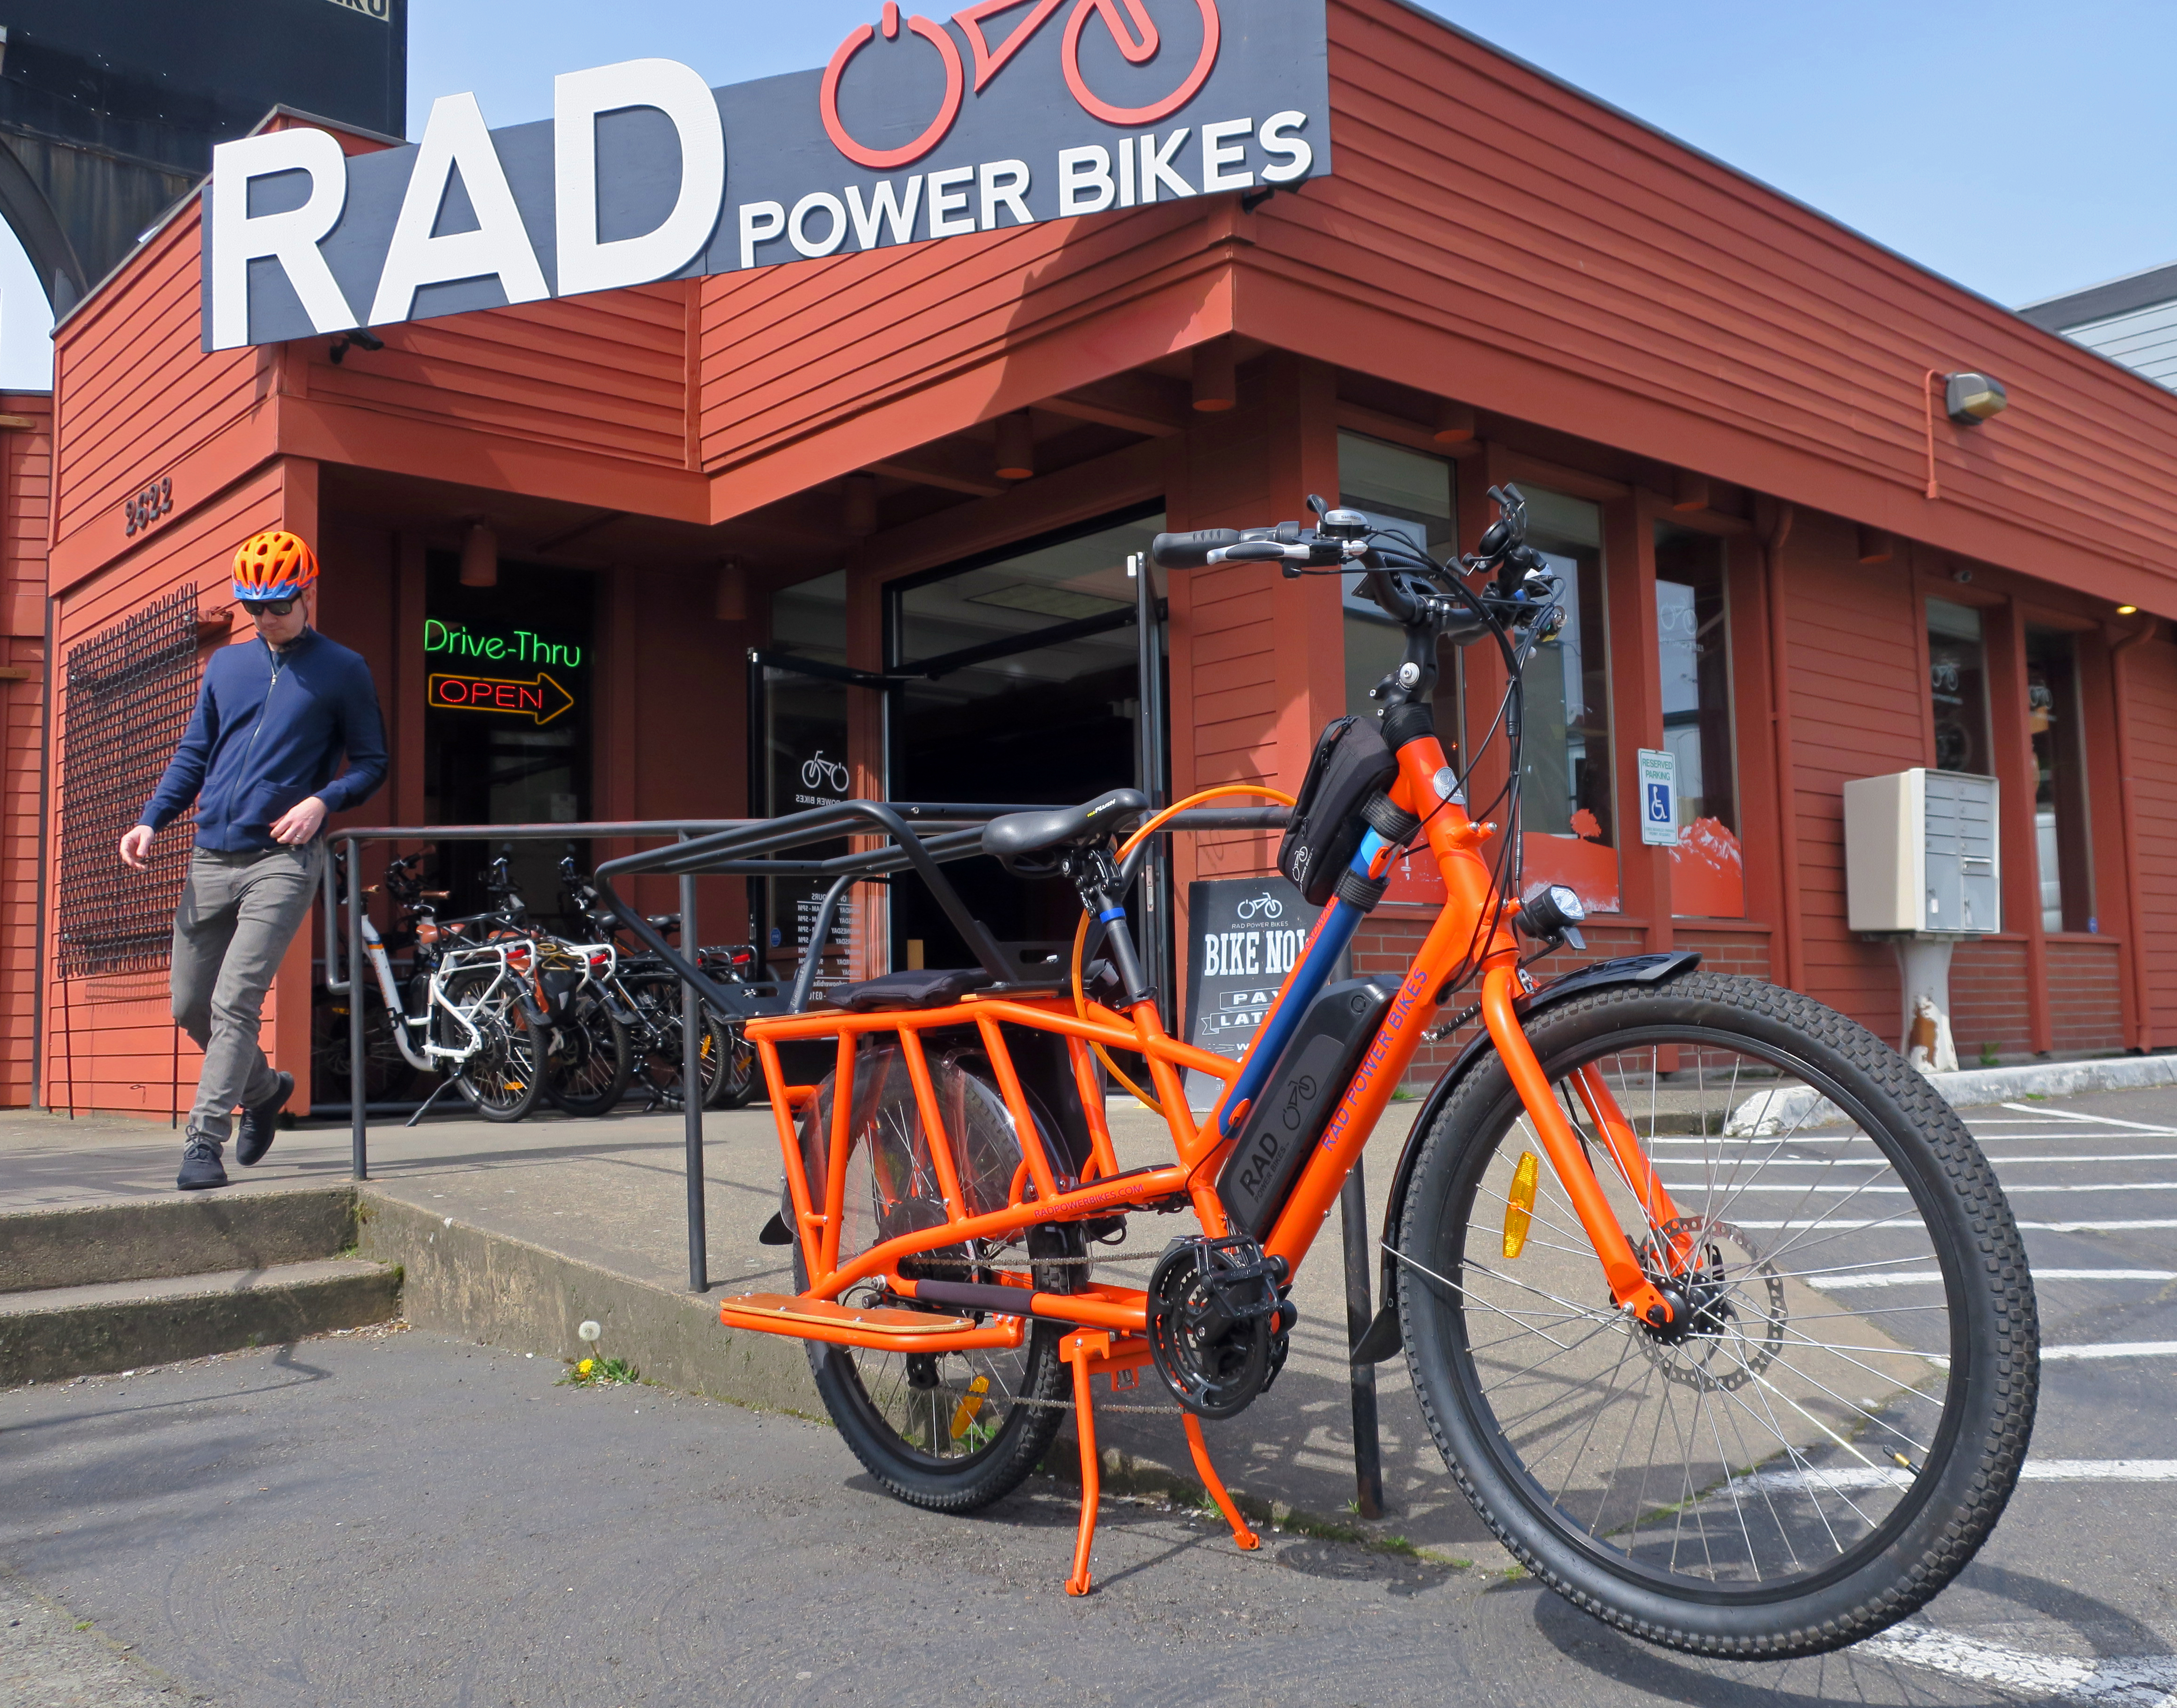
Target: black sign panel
[
  {"x": 1009, "y": 113},
  {"x": 111, "y": 107},
  {"x": 1244, "y": 935}
]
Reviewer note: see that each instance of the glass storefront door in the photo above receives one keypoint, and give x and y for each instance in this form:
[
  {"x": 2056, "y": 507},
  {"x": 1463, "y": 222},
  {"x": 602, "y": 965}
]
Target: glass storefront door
[
  {"x": 509, "y": 684},
  {"x": 1019, "y": 683},
  {"x": 801, "y": 689}
]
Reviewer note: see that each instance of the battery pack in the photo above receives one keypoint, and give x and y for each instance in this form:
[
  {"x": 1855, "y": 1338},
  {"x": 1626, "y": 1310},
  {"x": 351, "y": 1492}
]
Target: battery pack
[{"x": 1309, "y": 1079}]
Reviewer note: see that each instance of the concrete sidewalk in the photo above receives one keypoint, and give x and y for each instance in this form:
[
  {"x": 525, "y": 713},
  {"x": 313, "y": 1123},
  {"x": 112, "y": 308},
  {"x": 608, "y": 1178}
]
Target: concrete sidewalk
[{"x": 512, "y": 1235}]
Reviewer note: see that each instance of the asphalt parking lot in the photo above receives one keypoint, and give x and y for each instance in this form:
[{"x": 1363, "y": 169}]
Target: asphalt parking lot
[{"x": 403, "y": 1519}]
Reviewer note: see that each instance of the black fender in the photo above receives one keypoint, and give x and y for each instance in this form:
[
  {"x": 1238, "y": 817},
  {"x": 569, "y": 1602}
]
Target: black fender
[{"x": 1382, "y": 1340}]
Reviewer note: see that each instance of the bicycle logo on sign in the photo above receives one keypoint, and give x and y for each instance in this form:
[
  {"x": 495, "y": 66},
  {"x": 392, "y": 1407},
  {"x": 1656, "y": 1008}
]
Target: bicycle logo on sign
[
  {"x": 1133, "y": 31},
  {"x": 820, "y": 773},
  {"x": 1260, "y": 907}
]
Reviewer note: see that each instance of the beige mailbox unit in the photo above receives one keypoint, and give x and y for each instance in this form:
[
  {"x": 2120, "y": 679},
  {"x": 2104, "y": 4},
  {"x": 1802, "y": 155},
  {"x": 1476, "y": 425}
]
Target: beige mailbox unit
[{"x": 1921, "y": 853}]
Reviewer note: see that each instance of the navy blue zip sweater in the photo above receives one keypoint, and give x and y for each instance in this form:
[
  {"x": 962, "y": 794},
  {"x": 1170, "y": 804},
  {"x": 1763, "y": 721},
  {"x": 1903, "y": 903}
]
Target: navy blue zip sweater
[{"x": 269, "y": 729}]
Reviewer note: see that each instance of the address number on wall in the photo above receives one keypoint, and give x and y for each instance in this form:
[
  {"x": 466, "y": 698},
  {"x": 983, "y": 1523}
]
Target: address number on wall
[{"x": 148, "y": 505}]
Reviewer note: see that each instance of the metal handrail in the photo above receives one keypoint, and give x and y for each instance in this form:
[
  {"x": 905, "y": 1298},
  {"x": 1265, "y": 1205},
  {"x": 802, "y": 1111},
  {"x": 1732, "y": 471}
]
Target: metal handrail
[{"x": 922, "y": 836}]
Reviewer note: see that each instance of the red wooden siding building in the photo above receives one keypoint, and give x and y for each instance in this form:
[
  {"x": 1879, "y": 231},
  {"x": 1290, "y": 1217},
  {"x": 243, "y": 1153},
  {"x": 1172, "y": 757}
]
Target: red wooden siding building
[{"x": 1789, "y": 567}]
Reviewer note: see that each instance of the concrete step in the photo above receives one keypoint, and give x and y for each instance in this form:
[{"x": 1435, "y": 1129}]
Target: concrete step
[
  {"x": 53, "y": 1333},
  {"x": 173, "y": 1234}
]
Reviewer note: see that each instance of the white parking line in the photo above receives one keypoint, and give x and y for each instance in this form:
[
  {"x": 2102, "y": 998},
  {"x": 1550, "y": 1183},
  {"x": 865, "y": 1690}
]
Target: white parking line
[
  {"x": 1899, "y": 1278},
  {"x": 1847, "y": 1477},
  {"x": 1849, "y": 1226},
  {"x": 2009, "y": 1187},
  {"x": 2128, "y": 1681},
  {"x": 2093, "y": 1120},
  {"x": 2114, "y": 1349},
  {"x": 1877, "y": 1162}
]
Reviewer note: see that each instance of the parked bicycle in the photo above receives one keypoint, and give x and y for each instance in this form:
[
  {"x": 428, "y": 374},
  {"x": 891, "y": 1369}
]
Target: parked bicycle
[
  {"x": 464, "y": 1013},
  {"x": 1622, "y": 1236},
  {"x": 648, "y": 996}
]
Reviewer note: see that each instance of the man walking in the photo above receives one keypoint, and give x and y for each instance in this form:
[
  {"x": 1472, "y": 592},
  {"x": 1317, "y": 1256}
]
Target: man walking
[{"x": 271, "y": 723}]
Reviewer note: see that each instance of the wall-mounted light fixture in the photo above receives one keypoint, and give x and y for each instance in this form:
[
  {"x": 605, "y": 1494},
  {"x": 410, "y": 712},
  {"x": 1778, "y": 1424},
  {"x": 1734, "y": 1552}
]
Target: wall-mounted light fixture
[
  {"x": 356, "y": 338},
  {"x": 1215, "y": 382},
  {"x": 860, "y": 509},
  {"x": 729, "y": 594},
  {"x": 1974, "y": 398},
  {"x": 1016, "y": 446},
  {"x": 479, "y": 556}
]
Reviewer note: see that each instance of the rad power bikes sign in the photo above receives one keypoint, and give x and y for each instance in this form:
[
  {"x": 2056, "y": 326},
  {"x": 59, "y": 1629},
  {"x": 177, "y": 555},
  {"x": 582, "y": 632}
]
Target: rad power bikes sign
[{"x": 1008, "y": 113}]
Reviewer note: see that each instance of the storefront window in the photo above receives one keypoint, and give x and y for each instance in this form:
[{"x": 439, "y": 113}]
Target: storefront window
[
  {"x": 1957, "y": 687},
  {"x": 1692, "y": 638},
  {"x": 1401, "y": 490},
  {"x": 1568, "y": 830},
  {"x": 2062, "y": 845}
]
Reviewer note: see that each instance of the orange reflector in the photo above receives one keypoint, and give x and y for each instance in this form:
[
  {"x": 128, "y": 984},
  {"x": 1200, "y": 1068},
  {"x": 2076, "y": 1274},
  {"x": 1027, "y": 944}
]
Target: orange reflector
[
  {"x": 1520, "y": 1204},
  {"x": 963, "y": 1415}
]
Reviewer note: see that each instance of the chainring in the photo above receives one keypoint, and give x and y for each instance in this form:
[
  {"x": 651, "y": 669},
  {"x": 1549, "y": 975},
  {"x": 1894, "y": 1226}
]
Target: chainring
[{"x": 1214, "y": 1362}]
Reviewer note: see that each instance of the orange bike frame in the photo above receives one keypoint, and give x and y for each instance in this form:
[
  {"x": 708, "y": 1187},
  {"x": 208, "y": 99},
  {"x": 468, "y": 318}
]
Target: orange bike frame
[{"x": 1043, "y": 1192}]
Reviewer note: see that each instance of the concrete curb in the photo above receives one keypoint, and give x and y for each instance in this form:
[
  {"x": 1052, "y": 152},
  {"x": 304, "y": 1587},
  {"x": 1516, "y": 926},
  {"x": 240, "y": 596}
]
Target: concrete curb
[
  {"x": 508, "y": 1292},
  {"x": 1767, "y": 1113},
  {"x": 154, "y": 1238},
  {"x": 88, "y": 1340}
]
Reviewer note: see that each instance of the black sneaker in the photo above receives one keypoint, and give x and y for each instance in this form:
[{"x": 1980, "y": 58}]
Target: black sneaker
[
  {"x": 200, "y": 1163},
  {"x": 259, "y": 1126}
]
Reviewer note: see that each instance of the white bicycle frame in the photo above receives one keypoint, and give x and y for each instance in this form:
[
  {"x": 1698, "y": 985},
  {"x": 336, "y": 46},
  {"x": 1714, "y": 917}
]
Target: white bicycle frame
[{"x": 433, "y": 1058}]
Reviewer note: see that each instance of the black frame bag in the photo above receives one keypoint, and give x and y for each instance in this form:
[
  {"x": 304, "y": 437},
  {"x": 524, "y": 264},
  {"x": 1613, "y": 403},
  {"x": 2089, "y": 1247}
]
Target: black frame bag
[{"x": 1351, "y": 766}]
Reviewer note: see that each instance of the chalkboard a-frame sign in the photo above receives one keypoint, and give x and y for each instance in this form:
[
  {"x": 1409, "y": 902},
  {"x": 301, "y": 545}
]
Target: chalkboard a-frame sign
[{"x": 1243, "y": 936}]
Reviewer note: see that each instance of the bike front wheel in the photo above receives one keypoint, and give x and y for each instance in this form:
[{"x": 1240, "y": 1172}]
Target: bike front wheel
[{"x": 1831, "y": 1426}]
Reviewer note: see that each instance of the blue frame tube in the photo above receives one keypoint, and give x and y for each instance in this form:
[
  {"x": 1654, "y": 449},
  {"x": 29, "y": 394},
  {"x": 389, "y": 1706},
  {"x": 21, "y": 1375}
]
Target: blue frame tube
[{"x": 1339, "y": 922}]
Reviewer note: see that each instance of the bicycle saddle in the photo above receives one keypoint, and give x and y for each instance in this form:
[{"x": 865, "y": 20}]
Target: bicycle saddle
[{"x": 1019, "y": 833}]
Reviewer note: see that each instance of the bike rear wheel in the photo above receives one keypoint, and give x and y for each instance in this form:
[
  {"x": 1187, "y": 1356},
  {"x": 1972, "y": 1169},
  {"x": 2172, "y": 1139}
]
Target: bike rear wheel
[
  {"x": 1837, "y": 1425},
  {"x": 950, "y": 1432},
  {"x": 729, "y": 1069},
  {"x": 588, "y": 1060},
  {"x": 503, "y": 1078}
]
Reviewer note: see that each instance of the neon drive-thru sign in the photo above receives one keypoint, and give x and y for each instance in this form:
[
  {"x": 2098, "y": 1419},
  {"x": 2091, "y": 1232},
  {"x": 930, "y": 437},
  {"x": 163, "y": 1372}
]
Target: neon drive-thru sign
[{"x": 1008, "y": 113}]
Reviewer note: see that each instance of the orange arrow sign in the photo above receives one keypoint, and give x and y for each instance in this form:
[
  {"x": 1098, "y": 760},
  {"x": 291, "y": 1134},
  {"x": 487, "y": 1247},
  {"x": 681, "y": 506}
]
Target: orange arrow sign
[{"x": 540, "y": 699}]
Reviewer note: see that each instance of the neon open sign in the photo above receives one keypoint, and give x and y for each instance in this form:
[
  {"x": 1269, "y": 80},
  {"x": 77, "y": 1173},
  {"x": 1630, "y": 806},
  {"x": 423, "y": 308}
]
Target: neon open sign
[
  {"x": 1008, "y": 113},
  {"x": 540, "y": 699}
]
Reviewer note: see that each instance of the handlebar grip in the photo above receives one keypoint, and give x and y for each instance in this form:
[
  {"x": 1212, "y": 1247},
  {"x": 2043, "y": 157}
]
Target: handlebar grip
[{"x": 1190, "y": 551}]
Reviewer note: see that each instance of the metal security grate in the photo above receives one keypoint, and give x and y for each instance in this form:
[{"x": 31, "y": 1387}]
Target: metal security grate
[{"x": 130, "y": 690}]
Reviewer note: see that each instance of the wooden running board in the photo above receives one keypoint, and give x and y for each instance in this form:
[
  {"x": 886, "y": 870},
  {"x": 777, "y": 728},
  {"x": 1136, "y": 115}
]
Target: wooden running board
[{"x": 788, "y": 1313}]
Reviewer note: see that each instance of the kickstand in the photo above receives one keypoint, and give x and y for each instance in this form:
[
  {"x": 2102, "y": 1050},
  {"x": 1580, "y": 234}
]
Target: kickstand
[
  {"x": 1075, "y": 1349},
  {"x": 424, "y": 1107},
  {"x": 1200, "y": 1449}
]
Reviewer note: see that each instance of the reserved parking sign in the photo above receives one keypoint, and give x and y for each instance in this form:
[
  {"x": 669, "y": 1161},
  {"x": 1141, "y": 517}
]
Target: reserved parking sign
[{"x": 1659, "y": 797}]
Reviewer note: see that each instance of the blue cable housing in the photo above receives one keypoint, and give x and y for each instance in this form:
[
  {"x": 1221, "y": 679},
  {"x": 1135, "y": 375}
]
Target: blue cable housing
[{"x": 1339, "y": 922}]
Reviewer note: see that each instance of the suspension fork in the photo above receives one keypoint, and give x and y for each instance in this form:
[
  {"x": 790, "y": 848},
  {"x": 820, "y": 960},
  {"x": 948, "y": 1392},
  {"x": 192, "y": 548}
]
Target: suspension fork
[
  {"x": 1629, "y": 1285},
  {"x": 1632, "y": 1162}
]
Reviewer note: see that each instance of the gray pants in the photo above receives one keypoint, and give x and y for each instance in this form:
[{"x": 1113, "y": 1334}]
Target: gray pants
[{"x": 239, "y": 914}]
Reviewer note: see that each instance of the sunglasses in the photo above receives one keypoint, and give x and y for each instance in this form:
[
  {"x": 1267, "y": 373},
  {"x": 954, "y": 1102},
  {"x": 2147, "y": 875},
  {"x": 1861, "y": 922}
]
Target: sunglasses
[{"x": 268, "y": 607}]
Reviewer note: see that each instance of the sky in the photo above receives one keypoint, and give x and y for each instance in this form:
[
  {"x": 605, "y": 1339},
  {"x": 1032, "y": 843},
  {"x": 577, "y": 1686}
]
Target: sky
[{"x": 2021, "y": 150}]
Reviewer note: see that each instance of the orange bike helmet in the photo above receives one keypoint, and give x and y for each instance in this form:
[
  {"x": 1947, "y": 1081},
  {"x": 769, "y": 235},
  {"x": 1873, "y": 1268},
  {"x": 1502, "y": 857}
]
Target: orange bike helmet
[{"x": 273, "y": 565}]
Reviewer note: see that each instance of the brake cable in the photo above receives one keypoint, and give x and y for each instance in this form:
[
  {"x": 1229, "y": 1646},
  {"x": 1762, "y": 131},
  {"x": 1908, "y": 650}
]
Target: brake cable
[{"x": 1080, "y": 931}]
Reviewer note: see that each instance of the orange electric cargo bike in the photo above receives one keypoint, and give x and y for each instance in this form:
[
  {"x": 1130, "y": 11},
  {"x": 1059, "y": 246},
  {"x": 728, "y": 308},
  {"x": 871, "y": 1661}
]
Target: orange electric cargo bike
[{"x": 1715, "y": 1311}]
